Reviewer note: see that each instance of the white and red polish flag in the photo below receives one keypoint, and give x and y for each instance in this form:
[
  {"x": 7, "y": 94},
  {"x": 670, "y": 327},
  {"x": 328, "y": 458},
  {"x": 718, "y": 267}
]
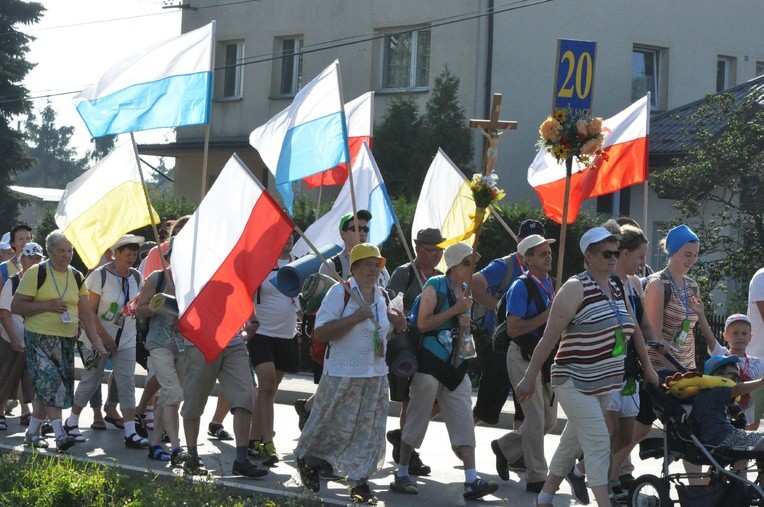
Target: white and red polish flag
[
  {"x": 223, "y": 254},
  {"x": 359, "y": 114},
  {"x": 624, "y": 164}
]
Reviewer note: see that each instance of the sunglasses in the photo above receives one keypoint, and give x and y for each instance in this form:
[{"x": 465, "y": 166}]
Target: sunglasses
[
  {"x": 359, "y": 228},
  {"x": 608, "y": 254}
]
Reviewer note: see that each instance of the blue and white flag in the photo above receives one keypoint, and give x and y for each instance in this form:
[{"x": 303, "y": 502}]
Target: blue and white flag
[
  {"x": 370, "y": 194},
  {"x": 168, "y": 84},
  {"x": 308, "y": 137}
]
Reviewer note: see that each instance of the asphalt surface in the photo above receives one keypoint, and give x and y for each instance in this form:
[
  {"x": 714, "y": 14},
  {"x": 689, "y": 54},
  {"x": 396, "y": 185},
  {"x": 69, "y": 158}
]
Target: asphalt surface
[{"x": 443, "y": 487}]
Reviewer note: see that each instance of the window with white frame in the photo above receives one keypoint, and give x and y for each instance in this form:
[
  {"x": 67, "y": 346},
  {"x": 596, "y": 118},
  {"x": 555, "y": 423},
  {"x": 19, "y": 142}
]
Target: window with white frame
[
  {"x": 406, "y": 60},
  {"x": 726, "y": 72},
  {"x": 290, "y": 71},
  {"x": 232, "y": 71},
  {"x": 645, "y": 74}
]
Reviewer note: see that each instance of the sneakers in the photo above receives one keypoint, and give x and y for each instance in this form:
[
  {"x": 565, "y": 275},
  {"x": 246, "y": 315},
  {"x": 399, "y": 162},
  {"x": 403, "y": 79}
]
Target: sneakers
[
  {"x": 218, "y": 431},
  {"x": 136, "y": 442},
  {"x": 178, "y": 457},
  {"x": 479, "y": 488},
  {"x": 74, "y": 431},
  {"x": 157, "y": 453},
  {"x": 404, "y": 485},
  {"x": 394, "y": 437},
  {"x": 361, "y": 493},
  {"x": 416, "y": 467},
  {"x": 248, "y": 469},
  {"x": 140, "y": 425},
  {"x": 578, "y": 487},
  {"x": 64, "y": 443},
  {"x": 534, "y": 487},
  {"x": 255, "y": 450},
  {"x": 326, "y": 472},
  {"x": 35, "y": 441},
  {"x": 502, "y": 465},
  {"x": 194, "y": 466},
  {"x": 302, "y": 413},
  {"x": 268, "y": 454},
  {"x": 308, "y": 476}
]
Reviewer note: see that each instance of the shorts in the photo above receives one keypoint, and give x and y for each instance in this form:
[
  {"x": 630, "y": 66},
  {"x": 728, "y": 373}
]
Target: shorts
[
  {"x": 625, "y": 405},
  {"x": 284, "y": 353},
  {"x": 742, "y": 439},
  {"x": 50, "y": 360},
  {"x": 231, "y": 368}
]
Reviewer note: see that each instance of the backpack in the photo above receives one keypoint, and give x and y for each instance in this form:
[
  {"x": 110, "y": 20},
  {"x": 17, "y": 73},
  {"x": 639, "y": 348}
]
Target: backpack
[
  {"x": 42, "y": 274},
  {"x": 500, "y": 338},
  {"x": 668, "y": 286},
  {"x": 478, "y": 309}
]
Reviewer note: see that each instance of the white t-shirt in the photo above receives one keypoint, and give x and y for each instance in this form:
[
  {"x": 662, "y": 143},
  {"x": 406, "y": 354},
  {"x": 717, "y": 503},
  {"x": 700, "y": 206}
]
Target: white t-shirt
[
  {"x": 756, "y": 293},
  {"x": 115, "y": 294},
  {"x": 276, "y": 312},
  {"x": 352, "y": 355},
  {"x": 5, "y": 304}
]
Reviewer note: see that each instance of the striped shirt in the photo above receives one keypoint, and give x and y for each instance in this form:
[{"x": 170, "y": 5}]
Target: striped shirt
[
  {"x": 673, "y": 314},
  {"x": 585, "y": 353}
]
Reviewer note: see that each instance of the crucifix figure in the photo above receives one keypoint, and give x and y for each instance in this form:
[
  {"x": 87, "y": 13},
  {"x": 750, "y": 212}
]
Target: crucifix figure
[{"x": 492, "y": 129}]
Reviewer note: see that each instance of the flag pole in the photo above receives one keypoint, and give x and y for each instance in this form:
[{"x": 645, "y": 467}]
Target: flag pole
[
  {"x": 495, "y": 214},
  {"x": 318, "y": 204},
  {"x": 564, "y": 225},
  {"x": 150, "y": 208},
  {"x": 205, "y": 156}
]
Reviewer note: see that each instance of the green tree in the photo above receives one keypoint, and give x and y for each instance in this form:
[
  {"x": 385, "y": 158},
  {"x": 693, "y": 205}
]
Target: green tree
[
  {"x": 719, "y": 187},
  {"x": 15, "y": 100},
  {"x": 400, "y": 147},
  {"x": 102, "y": 146},
  {"x": 56, "y": 162},
  {"x": 446, "y": 124}
]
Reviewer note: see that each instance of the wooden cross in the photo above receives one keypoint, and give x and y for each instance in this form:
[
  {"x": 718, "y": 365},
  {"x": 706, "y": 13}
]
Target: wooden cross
[{"x": 492, "y": 129}]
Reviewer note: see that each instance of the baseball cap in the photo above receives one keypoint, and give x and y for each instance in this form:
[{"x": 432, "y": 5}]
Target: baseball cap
[
  {"x": 595, "y": 235},
  {"x": 530, "y": 226},
  {"x": 736, "y": 317},
  {"x": 530, "y": 242},
  {"x": 347, "y": 217},
  {"x": 4, "y": 245},
  {"x": 716, "y": 362},
  {"x": 32, "y": 249},
  {"x": 429, "y": 237},
  {"x": 455, "y": 254},
  {"x": 365, "y": 251}
]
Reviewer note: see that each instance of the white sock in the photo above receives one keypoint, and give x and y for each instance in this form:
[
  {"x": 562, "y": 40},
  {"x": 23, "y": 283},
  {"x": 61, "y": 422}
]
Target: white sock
[
  {"x": 545, "y": 497},
  {"x": 129, "y": 427},
  {"x": 58, "y": 428},
  {"x": 73, "y": 419},
  {"x": 34, "y": 426},
  {"x": 577, "y": 472},
  {"x": 470, "y": 475},
  {"x": 403, "y": 471}
]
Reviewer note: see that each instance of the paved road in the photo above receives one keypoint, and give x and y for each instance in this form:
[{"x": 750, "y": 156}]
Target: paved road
[{"x": 442, "y": 488}]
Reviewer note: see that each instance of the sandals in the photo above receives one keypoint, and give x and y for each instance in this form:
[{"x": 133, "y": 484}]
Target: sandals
[
  {"x": 136, "y": 442},
  {"x": 218, "y": 431},
  {"x": 3, "y": 424},
  {"x": 157, "y": 453},
  {"x": 74, "y": 431},
  {"x": 117, "y": 422},
  {"x": 25, "y": 418},
  {"x": 98, "y": 426}
]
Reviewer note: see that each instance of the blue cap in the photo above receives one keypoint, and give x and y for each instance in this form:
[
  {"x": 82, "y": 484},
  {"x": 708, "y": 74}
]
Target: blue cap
[
  {"x": 678, "y": 237},
  {"x": 716, "y": 362}
]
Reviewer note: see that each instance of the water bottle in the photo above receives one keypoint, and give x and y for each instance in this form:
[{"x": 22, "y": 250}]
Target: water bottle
[{"x": 467, "y": 349}]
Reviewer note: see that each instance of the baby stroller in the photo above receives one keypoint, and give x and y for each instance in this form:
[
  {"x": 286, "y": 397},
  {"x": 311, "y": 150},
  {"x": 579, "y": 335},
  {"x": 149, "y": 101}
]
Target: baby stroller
[{"x": 724, "y": 488}]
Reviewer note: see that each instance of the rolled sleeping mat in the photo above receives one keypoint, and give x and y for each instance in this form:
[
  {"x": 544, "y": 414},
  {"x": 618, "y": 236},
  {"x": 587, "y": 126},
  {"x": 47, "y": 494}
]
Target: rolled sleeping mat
[
  {"x": 164, "y": 304},
  {"x": 403, "y": 352},
  {"x": 289, "y": 278}
]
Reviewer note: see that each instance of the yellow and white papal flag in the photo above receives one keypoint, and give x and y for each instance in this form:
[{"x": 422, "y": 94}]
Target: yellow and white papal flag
[
  {"x": 445, "y": 202},
  {"x": 103, "y": 204}
]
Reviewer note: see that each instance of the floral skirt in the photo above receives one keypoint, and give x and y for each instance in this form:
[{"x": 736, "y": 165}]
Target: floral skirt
[{"x": 347, "y": 424}]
